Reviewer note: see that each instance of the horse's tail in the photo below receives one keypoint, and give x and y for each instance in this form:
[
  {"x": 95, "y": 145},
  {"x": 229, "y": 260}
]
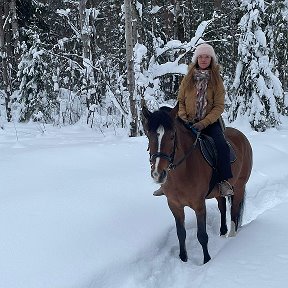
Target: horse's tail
[{"x": 241, "y": 209}]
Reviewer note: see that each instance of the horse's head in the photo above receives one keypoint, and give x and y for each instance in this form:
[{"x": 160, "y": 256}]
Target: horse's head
[{"x": 159, "y": 127}]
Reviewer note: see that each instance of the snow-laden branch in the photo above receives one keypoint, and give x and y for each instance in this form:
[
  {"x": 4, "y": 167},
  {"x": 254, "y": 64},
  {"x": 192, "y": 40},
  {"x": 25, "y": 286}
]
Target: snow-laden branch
[
  {"x": 7, "y": 20},
  {"x": 173, "y": 67},
  {"x": 65, "y": 14}
]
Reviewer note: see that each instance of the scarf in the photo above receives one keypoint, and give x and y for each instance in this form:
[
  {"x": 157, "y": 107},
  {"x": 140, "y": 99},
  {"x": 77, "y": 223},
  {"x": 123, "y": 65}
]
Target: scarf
[{"x": 201, "y": 78}]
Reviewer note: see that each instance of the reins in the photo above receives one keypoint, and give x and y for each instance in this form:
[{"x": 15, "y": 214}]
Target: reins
[{"x": 174, "y": 166}]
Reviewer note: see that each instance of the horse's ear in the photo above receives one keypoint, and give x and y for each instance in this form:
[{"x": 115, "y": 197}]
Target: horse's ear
[
  {"x": 145, "y": 112},
  {"x": 174, "y": 111},
  {"x": 145, "y": 116}
]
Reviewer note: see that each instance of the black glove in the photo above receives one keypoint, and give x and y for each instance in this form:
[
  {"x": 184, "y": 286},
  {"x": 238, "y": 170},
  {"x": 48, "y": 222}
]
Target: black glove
[{"x": 198, "y": 126}]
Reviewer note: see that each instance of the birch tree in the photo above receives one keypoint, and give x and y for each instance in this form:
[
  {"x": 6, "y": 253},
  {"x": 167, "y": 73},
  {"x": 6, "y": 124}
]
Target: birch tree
[
  {"x": 130, "y": 68},
  {"x": 15, "y": 30},
  {"x": 87, "y": 15}
]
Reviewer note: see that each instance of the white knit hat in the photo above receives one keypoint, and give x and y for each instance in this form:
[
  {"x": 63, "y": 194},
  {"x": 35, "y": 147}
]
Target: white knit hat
[{"x": 204, "y": 49}]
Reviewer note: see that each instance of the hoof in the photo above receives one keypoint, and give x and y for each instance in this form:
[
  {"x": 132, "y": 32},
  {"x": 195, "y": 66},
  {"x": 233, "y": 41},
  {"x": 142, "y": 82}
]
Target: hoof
[
  {"x": 223, "y": 232},
  {"x": 206, "y": 259},
  {"x": 183, "y": 257}
]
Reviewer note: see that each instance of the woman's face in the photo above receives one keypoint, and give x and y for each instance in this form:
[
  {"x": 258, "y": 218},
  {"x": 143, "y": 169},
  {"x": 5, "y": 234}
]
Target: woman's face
[{"x": 204, "y": 61}]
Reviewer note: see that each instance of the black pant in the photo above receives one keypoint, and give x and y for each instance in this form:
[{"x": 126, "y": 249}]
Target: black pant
[{"x": 223, "y": 164}]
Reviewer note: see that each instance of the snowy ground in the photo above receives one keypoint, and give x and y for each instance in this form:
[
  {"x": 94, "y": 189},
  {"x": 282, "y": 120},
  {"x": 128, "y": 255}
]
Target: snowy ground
[{"x": 76, "y": 210}]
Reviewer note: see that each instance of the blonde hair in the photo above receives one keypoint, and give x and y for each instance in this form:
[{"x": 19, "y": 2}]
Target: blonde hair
[{"x": 216, "y": 80}]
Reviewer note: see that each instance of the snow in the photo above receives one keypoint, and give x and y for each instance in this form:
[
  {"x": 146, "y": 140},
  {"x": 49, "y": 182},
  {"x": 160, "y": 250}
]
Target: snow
[
  {"x": 170, "y": 68},
  {"x": 77, "y": 210},
  {"x": 63, "y": 12},
  {"x": 139, "y": 8},
  {"x": 172, "y": 47},
  {"x": 265, "y": 93},
  {"x": 155, "y": 9}
]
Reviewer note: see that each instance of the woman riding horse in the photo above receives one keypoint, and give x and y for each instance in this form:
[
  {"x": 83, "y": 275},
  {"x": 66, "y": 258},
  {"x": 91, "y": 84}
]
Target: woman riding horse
[
  {"x": 177, "y": 164},
  {"x": 201, "y": 103}
]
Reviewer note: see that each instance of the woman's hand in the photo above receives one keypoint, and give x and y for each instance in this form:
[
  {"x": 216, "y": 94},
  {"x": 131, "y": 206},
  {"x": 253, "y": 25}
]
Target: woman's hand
[{"x": 198, "y": 126}]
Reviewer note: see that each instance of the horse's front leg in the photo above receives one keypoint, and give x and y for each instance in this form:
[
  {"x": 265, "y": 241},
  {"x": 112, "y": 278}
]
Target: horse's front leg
[
  {"x": 178, "y": 213},
  {"x": 222, "y": 208},
  {"x": 201, "y": 231}
]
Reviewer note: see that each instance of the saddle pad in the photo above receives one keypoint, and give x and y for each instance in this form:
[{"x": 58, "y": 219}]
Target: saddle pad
[{"x": 209, "y": 152}]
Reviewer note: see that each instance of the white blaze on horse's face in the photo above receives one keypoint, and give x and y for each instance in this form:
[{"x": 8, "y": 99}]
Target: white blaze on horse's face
[
  {"x": 160, "y": 133},
  {"x": 156, "y": 174}
]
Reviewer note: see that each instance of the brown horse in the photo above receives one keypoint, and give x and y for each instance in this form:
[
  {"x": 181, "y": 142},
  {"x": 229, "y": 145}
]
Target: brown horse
[{"x": 178, "y": 165}]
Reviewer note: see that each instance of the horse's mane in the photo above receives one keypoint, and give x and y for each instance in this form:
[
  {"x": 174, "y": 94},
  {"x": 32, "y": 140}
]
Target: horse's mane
[{"x": 160, "y": 117}]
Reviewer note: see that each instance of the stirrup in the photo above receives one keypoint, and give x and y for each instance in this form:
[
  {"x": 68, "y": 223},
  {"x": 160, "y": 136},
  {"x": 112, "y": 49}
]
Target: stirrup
[{"x": 225, "y": 188}]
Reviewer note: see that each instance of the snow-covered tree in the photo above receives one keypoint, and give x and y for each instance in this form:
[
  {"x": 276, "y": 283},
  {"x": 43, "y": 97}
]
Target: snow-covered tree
[
  {"x": 276, "y": 17},
  {"x": 258, "y": 92},
  {"x": 37, "y": 96},
  {"x": 81, "y": 46}
]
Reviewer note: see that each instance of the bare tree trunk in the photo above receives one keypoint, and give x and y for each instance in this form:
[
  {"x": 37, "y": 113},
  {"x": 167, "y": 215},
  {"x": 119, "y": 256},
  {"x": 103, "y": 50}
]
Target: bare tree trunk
[
  {"x": 88, "y": 81},
  {"x": 4, "y": 9},
  {"x": 83, "y": 29},
  {"x": 15, "y": 30},
  {"x": 85, "y": 46},
  {"x": 234, "y": 31},
  {"x": 130, "y": 68},
  {"x": 178, "y": 26}
]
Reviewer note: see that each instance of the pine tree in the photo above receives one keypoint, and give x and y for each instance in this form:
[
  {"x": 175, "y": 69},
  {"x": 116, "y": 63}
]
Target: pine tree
[
  {"x": 225, "y": 33},
  {"x": 37, "y": 97},
  {"x": 276, "y": 17},
  {"x": 257, "y": 91}
]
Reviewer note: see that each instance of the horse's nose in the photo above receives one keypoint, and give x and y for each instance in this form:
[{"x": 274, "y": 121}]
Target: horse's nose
[
  {"x": 163, "y": 176},
  {"x": 155, "y": 174},
  {"x": 159, "y": 177}
]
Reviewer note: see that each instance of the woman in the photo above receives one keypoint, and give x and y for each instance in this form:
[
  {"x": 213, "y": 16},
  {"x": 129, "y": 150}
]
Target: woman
[{"x": 201, "y": 102}]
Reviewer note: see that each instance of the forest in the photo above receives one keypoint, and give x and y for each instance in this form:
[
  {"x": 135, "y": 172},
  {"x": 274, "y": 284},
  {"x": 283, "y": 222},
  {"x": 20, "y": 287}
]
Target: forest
[{"x": 66, "y": 60}]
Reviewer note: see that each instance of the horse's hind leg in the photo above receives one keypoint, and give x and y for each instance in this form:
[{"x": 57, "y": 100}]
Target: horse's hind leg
[
  {"x": 222, "y": 209},
  {"x": 237, "y": 209},
  {"x": 179, "y": 216}
]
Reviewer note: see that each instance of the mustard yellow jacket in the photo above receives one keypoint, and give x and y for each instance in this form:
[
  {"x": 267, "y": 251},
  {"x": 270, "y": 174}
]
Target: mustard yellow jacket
[{"x": 214, "y": 108}]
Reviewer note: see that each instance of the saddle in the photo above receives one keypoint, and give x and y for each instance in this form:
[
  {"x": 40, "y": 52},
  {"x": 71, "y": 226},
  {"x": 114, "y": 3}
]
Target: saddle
[
  {"x": 209, "y": 152},
  {"x": 207, "y": 146}
]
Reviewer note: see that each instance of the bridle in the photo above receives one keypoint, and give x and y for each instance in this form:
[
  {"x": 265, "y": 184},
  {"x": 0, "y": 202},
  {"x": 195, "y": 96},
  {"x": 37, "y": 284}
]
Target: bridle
[{"x": 170, "y": 158}]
